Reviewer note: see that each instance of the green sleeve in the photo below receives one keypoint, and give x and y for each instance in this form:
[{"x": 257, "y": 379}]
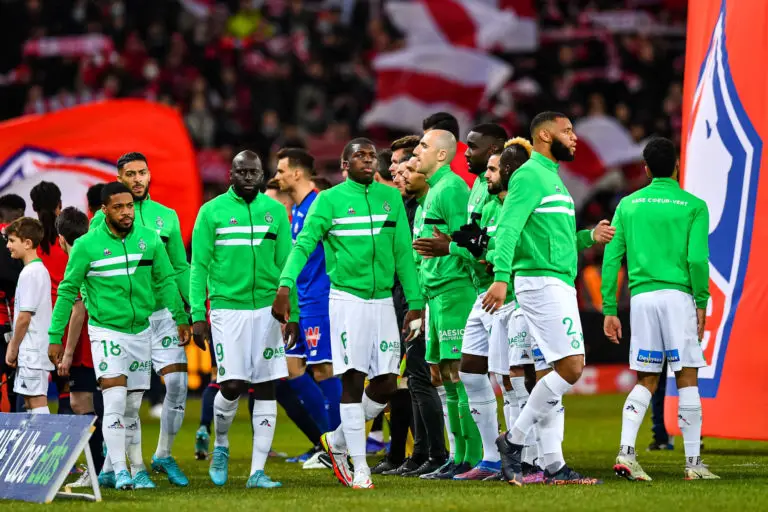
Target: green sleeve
[
  {"x": 460, "y": 252},
  {"x": 316, "y": 225},
  {"x": 518, "y": 207},
  {"x": 452, "y": 207},
  {"x": 614, "y": 253},
  {"x": 97, "y": 220},
  {"x": 177, "y": 253},
  {"x": 404, "y": 264},
  {"x": 164, "y": 284},
  {"x": 202, "y": 254},
  {"x": 283, "y": 246},
  {"x": 584, "y": 239},
  {"x": 698, "y": 256},
  {"x": 74, "y": 275}
]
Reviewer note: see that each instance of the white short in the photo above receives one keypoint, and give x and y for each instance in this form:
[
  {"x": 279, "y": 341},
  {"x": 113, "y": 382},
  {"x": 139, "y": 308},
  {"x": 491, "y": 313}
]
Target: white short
[
  {"x": 165, "y": 341},
  {"x": 31, "y": 381},
  {"x": 552, "y": 313},
  {"x": 364, "y": 335},
  {"x": 498, "y": 357},
  {"x": 248, "y": 345},
  {"x": 115, "y": 353},
  {"x": 523, "y": 348},
  {"x": 663, "y": 325},
  {"x": 476, "y": 332}
]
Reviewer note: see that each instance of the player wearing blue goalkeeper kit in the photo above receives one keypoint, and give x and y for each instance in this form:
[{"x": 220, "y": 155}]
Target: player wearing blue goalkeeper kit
[{"x": 320, "y": 391}]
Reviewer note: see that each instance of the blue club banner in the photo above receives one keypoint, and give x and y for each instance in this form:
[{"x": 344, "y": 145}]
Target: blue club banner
[{"x": 37, "y": 451}]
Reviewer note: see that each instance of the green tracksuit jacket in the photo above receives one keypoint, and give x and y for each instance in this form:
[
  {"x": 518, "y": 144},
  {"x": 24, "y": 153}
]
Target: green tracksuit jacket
[
  {"x": 165, "y": 222},
  {"x": 537, "y": 230},
  {"x": 490, "y": 221},
  {"x": 367, "y": 239},
  {"x": 478, "y": 198},
  {"x": 122, "y": 277},
  {"x": 445, "y": 207},
  {"x": 238, "y": 251},
  {"x": 664, "y": 232}
]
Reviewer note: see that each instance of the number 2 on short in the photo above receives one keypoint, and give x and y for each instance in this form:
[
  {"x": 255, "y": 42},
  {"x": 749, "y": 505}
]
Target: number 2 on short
[{"x": 567, "y": 320}]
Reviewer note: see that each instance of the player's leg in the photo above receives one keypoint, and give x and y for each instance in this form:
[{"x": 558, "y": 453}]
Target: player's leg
[
  {"x": 684, "y": 357},
  {"x": 231, "y": 333},
  {"x": 553, "y": 318},
  {"x": 169, "y": 360},
  {"x": 82, "y": 385},
  {"x": 317, "y": 334},
  {"x": 304, "y": 385},
  {"x": 480, "y": 396},
  {"x": 203, "y": 434},
  {"x": 268, "y": 364},
  {"x": 62, "y": 387},
  {"x": 32, "y": 385}
]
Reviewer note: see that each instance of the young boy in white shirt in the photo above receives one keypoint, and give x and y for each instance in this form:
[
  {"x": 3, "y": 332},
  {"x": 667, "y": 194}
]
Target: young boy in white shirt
[{"x": 28, "y": 347}]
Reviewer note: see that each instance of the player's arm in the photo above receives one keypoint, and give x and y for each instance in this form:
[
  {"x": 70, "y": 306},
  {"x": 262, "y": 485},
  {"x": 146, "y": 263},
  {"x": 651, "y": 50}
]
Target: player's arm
[
  {"x": 316, "y": 225},
  {"x": 518, "y": 207},
  {"x": 76, "y": 320},
  {"x": 614, "y": 253},
  {"x": 283, "y": 245},
  {"x": 177, "y": 253},
  {"x": 74, "y": 275},
  {"x": 404, "y": 264},
  {"x": 698, "y": 256},
  {"x": 584, "y": 239},
  {"x": 202, "y": 254},
  {"x": 165, "y": 285}
]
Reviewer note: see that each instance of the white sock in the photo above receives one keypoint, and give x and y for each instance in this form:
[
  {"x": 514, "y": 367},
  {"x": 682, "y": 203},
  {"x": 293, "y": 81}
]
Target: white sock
[
  {"x": 173, "y": 412},
  {"x": 538, "y": 459},
  {"x": 133, "y": 432},
  {"x": 223, "y": 415},
  {"x": 521, "y": 395},
  {"x": 551, "y": 430},
  {"x": 353, "y": 426},
  {"x": 264, "y": 420},
  {"x": 337, "y": 437},
  {"x": 482, "y": 406},
  {"x": 40, "y": 410},
  {"x": 377, "y": 435},
  {"x": 451, "y": 439},
  {"x": 632, "y": 418},
  {"x": 371, "y": 409},
  {"x": 113, "y": 426},
  {"x": 547, "y": 395},
  {"x": 689, "y": 421}
]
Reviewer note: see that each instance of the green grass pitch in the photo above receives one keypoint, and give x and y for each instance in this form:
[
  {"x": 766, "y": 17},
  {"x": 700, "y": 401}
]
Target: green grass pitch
[{"x": 591, "y": 439}]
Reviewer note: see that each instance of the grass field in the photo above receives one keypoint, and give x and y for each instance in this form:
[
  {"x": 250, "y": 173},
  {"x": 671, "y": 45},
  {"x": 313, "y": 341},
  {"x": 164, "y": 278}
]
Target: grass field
[{"x": 591, "y": 437}]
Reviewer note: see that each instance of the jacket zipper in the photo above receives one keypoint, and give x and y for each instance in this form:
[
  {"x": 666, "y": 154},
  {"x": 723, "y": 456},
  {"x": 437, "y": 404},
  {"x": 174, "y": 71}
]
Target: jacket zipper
[
  {"x": 253, "y": 253},
  {"x": 130, "y": 284},
  {"x": 141, "y": 213},
  {"x": 373, "y": 243}
]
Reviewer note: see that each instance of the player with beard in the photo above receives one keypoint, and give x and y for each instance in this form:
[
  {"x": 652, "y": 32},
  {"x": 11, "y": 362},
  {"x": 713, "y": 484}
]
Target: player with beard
[
  {"x": 539, "y": 212},
  {"x": 321, "y": 391},
  {"x": 125, "y": 271},
  {"x": 168, "y": 356},
  {"x": 367, "y": 235},
  {"x": 240, "y": 243}
]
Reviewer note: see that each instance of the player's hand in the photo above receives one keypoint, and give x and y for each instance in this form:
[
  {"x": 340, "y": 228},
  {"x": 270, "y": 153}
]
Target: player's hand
[
  {"x": 413, "y": 324},
  {"x": 603, "y": 232},
  {"x": 701, "y": 320},
  {"x": 472, "y": 237},
  {"x": 55, "y": 351},
  {"x": 184, "y": 334},
  {"x": 11, "y": 355},
  {"x": 200, "y": 333},
  {"x": 495, "y": 297},
  {"x": 65, "y": 364},
  {"x": 489, "y": 269},
  {"x": 281, "y": 307},
  {"x": 612, "y": 328},
  {"x": 433, "y": 247},
  {"x": 290, "y": 334}
]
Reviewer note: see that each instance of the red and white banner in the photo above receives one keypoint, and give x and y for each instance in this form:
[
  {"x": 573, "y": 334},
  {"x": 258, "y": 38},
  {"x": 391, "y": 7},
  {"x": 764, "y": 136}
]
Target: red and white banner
[
  {"x": 416, "y": 82},
  {"x": 603, "y": 143},
  {"x": 484, "y": 24},
  {"x": 69, "y": 46}
]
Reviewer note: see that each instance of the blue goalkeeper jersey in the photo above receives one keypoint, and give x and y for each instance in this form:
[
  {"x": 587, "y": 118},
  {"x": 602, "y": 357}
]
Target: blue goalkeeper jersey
[{"x": 313, "y": 284}]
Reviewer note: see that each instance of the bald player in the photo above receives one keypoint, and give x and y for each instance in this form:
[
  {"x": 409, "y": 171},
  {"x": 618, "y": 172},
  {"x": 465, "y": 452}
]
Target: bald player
[
  {"x": 240, "y": 244},
  {"x": 449, "y": 289}
]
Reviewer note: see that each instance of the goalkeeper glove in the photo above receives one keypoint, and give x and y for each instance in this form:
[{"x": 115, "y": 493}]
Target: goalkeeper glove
[{"x": 471, "y": 237}]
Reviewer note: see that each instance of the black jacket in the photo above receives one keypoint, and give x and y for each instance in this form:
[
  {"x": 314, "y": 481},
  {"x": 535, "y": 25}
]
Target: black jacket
[{"x": 401, "y": 305}]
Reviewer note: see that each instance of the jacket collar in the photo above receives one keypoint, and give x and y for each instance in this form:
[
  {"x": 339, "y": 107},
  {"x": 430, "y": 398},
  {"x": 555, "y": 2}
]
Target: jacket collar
[
  {"x": 544, "y": 162},
  {"x": 442, "y": 171}
]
